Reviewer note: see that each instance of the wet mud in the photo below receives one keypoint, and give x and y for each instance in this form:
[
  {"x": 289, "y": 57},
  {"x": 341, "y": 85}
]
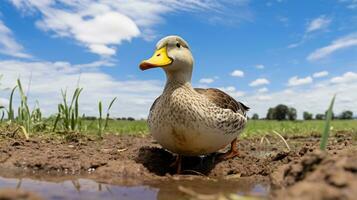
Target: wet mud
[{"x": 130, "y": 162}]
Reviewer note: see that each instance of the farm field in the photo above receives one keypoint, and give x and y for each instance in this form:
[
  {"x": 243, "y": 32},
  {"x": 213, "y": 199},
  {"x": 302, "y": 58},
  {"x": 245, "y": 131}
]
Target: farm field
[
  {"x": 253, "y": 128},
  {"x": 127, "y": 161},
  {"x": 178, "y": 100}
]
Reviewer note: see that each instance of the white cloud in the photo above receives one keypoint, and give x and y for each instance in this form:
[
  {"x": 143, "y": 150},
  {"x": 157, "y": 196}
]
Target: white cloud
[
  {"x": 314, "y": 25},
  {"x": 260, "y": 66},
  {"x": 320, "y": 74},
  {"x": 264, "y": 97},
  {"x": 206, "y": 80},
  {"x": 284, "y": 20},
  {"x": 295, "y": 81},
  {"x": 319, "y": 23},
  {"x": 259, "y": 81},
  {"x": 345, "y": 78},
  {"x": 293, "y": 45},
  {"x": 8, "y": 44},
  {"x": 48, "y": 78},
  {"x": 351, "y": 4},
  {"x": 102, "y": 25},
  {"x": 310, "y": 98},
  {"x": 341, "y": 43},
  {"x": 237, "y": 73},
  {"x": 263, "y": 90},
  {"x": 98, "y": 63}
]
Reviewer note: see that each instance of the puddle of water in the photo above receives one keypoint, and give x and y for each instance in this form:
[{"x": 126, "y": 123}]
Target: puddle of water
[
  {"x": 79, "y": 189},
  {"x": 89, "y": 189}
]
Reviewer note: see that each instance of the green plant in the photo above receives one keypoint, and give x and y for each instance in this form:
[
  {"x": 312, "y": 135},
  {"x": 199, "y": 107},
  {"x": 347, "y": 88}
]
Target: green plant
[
  {"x": 23, "y": 115},
  {"x": 326, "y": 132},
  {"x": 10, "y": 110},
  {"x": 68, "y": 114},
  {"x": 102, "y": 128},
  {"x": 2, "y": 115},
  {"x": 28, "y": 120}
]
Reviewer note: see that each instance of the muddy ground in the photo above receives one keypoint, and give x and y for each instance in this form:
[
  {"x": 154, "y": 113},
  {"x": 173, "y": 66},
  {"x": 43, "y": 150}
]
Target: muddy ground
[{"x": 301, "y": 173}]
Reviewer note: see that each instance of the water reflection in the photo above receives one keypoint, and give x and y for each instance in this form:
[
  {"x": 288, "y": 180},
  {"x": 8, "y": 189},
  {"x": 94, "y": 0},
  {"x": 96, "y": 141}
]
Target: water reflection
[{"x": 89, "y": 189}]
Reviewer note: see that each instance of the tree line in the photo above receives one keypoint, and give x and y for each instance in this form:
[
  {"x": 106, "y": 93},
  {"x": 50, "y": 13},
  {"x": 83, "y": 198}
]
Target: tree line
[{"x": 283, "y": 112}]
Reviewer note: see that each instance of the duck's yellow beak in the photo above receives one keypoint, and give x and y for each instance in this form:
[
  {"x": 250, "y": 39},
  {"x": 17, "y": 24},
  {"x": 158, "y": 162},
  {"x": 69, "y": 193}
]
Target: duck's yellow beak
[{"x": 159, "y": 59}]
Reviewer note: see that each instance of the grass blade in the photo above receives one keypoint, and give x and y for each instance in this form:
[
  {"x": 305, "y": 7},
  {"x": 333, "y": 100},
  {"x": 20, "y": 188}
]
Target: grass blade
[
  {"x": 56, "y": 122},
  {"x": 283, "y": 139},
  {"x": 111, "y": 104},
  {"x": 325, "y": 134},
  {"x": 2, "y": 116},
  {"x": 109, "y": 107},
  {"x": 25, "y": 132},
  {"x": 10, "y": 112},
  {"x": 100, "y": 108}
]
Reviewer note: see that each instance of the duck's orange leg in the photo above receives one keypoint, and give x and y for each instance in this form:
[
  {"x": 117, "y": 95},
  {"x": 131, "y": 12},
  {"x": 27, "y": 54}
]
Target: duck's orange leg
[{"x": 233, "y": 152}]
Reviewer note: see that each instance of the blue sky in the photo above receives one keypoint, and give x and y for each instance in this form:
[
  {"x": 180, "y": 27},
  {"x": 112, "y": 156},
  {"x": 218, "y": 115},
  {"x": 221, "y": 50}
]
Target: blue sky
[{"x": 263, "y": 53}]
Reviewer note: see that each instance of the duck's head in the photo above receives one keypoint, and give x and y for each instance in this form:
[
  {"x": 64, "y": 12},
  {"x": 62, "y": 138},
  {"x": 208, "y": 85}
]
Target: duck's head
[{"x": 173, "y": 55}]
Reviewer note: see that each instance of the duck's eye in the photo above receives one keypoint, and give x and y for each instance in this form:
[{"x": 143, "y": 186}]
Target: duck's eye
[{"x": 178, "y": 45}]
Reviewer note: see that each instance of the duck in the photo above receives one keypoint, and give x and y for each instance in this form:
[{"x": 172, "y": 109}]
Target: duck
[{"x": 191, "y": 121}]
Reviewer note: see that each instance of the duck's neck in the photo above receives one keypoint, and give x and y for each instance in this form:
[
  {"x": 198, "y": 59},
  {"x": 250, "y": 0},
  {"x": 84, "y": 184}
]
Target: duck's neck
[{"x": 178, "y": 79}]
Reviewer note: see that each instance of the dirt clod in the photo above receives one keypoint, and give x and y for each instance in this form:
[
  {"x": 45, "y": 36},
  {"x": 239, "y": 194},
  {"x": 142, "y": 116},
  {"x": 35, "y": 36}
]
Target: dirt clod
[{"x": 318, "y": 175}]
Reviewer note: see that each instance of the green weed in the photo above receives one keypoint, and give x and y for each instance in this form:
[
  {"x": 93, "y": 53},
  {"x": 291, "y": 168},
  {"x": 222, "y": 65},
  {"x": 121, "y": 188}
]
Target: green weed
[
  {"x": 68, "y": 118},
  {"x": 101, "y": 127},
  {"x": 326, "y": 132}
]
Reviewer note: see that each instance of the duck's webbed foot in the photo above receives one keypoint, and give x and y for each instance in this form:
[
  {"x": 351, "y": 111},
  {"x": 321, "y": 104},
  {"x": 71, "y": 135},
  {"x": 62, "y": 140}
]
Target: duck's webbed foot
[
  {"x": 233, "y": 152},
  {"x": 177, "y": 164}
]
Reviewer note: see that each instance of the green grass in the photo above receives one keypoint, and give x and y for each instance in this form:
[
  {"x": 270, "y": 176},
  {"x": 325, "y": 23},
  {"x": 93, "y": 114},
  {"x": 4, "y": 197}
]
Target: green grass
[
  {"x": 121, "y": 127},
  {"x": 253, "y": 128},
  {"x": 296, "y": 128},
  {"x": 68, "y": 118}
]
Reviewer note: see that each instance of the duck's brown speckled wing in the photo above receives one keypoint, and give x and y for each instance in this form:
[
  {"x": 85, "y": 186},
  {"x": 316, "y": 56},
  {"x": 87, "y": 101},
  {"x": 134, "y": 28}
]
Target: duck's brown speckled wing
[
  {"x": 220, "y": 98},
  {"x": 223, "y": 100}
]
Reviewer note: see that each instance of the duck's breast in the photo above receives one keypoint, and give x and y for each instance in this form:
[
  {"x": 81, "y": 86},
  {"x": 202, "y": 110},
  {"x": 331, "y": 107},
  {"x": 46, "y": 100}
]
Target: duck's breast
[{"x": 191, "y": 126}]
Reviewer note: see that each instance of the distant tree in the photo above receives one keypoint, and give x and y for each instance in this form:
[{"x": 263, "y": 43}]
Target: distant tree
[
  {"x": 319, "y": 116},
  {"x": 130, "y": 119},
  {"x": 307, "y": 116},
  {"x": 255, "y": 116},
  {"x": 89, "y": 117},
  {"x": 292, "y": 114},
  {"x": 270, "y": 114},
  {"x": 281, "y": 112},
  {"x": 346, "y": 115}
]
